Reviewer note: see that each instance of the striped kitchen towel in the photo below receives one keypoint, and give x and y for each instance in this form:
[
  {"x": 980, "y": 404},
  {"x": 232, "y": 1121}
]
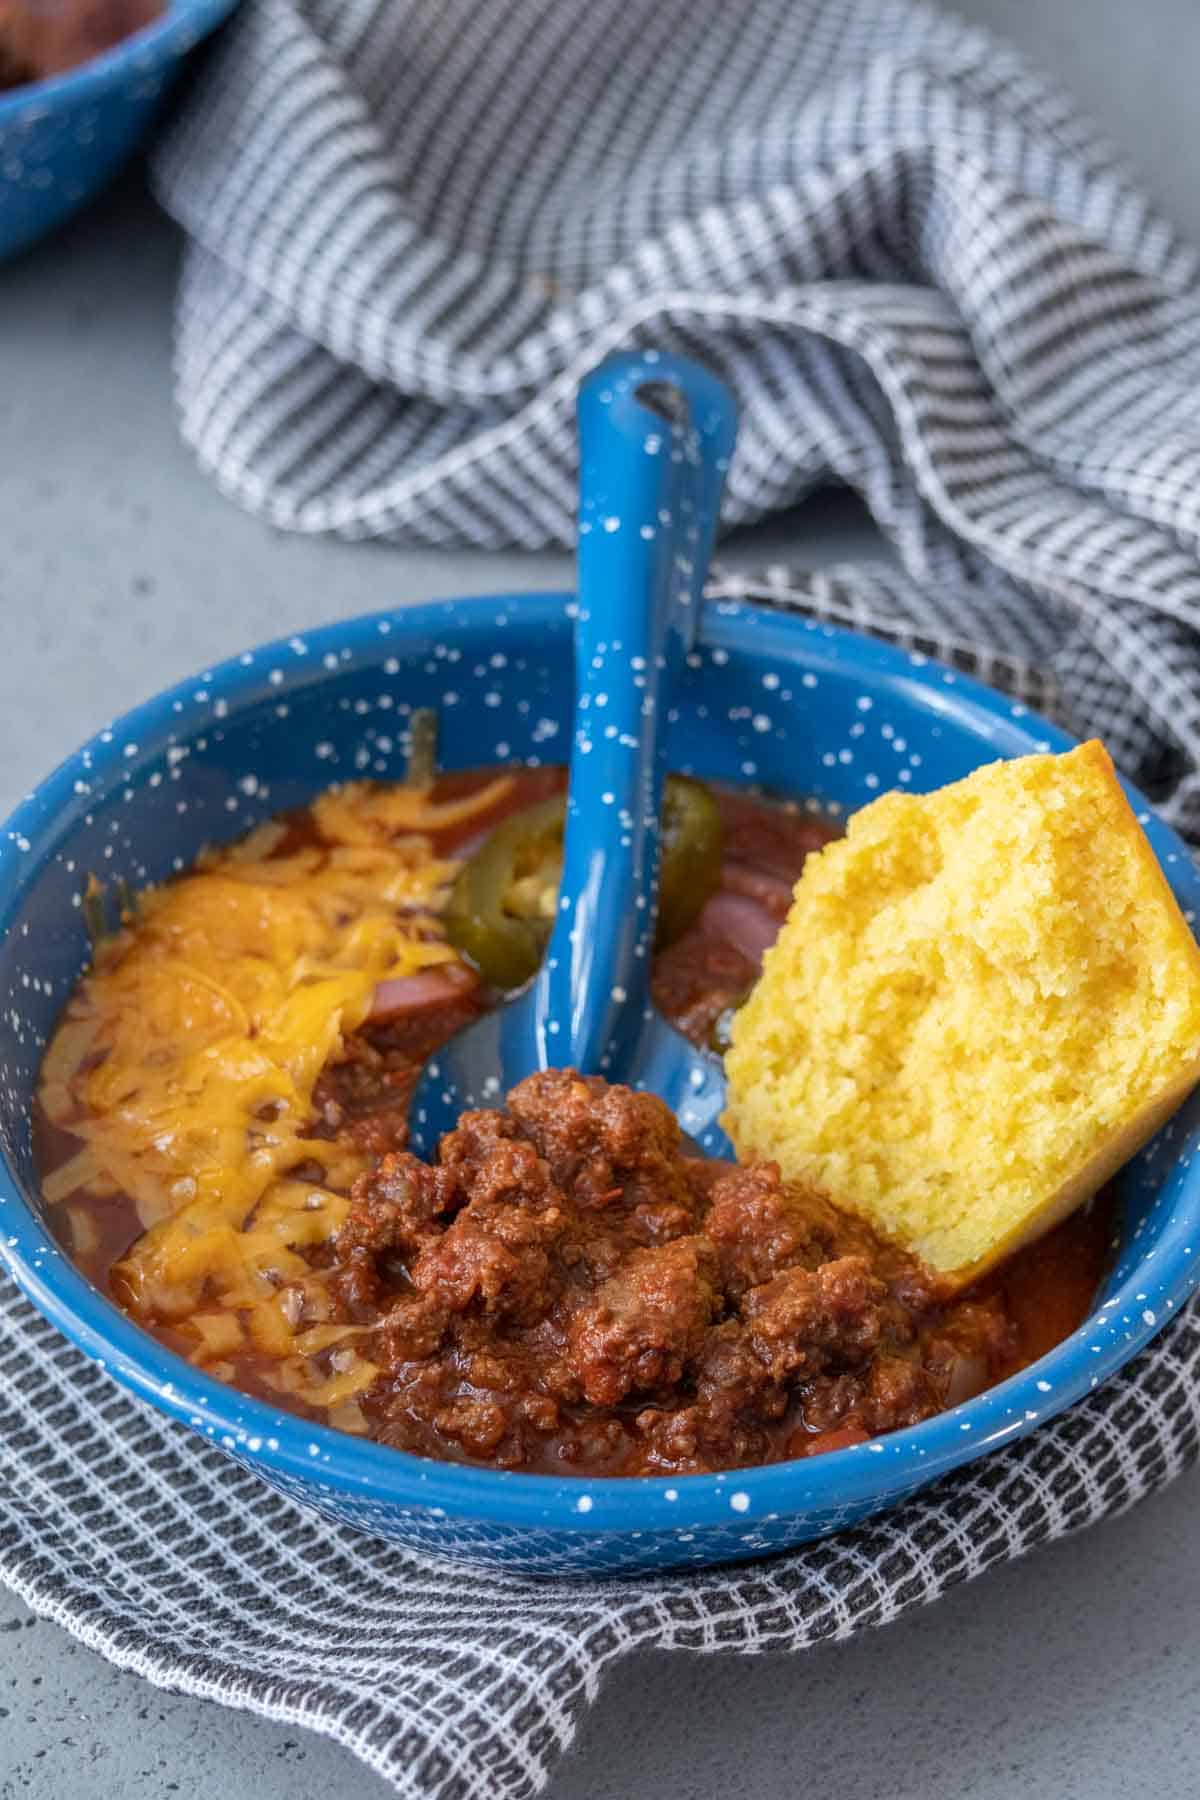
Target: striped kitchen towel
[{"x": 413, "y": 226}]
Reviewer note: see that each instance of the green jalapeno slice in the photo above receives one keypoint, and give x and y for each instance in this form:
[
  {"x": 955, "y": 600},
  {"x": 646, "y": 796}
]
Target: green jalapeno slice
[{"x": 502, "y": 905}]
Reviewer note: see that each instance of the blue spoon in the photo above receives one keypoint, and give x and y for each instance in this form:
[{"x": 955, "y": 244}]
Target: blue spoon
[{"x": 656, "y": 433}]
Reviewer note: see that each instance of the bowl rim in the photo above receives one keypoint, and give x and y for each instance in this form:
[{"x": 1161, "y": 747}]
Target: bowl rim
[
  {"x": 297, "y": 1451},
  {"x": 181, "y": 25}
]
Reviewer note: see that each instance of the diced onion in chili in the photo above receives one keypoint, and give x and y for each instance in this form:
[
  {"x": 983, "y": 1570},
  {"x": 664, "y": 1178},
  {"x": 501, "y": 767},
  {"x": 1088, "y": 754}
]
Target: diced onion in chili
[
  {"x": 966, "y": 1376},
  {"x": 741, "y": 922}
]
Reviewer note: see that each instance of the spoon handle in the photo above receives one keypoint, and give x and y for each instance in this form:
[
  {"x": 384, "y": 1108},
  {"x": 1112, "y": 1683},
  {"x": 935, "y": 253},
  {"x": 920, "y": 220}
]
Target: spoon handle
[{"x": 655, "y": 436}]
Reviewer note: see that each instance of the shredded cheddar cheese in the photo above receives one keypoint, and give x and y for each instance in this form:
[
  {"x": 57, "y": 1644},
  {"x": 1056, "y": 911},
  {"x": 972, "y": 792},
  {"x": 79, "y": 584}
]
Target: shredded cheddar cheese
[
  {"x": 359, "y": 813},
  {"x": 187, "y": 1061}
]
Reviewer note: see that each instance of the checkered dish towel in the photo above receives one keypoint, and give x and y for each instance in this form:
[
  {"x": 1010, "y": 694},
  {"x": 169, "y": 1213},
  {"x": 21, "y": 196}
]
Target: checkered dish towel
[{"x": 413, "y": 226}]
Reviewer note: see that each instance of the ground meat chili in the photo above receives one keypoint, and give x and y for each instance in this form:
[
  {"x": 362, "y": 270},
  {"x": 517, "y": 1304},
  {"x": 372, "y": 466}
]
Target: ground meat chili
[{"x": 565, "y": 1289}]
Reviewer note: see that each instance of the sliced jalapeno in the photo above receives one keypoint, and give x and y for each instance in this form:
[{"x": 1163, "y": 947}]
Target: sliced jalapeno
[
  {"x": 501, "y": 907},
  {"x": 691, "y": 856},
  {"x": 504, "y": 944}
]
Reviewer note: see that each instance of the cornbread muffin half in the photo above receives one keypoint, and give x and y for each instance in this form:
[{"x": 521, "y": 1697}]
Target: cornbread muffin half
[{"x": 983, "y": 1001}]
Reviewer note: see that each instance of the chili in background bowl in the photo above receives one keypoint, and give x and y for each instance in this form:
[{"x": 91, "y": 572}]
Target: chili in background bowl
[
  {"x": 778, "y": 700},
  {"x": 64, "y": 138}
]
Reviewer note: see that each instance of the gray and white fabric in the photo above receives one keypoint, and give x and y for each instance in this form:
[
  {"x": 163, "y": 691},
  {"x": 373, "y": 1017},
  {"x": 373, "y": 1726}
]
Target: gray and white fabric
[
  {"x": 412, "y": 227},
  {"x": 462, "y": 1684}
]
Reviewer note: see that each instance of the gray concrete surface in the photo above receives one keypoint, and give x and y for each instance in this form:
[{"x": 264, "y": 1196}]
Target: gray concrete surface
[{"x": 1075, "y": 1674}]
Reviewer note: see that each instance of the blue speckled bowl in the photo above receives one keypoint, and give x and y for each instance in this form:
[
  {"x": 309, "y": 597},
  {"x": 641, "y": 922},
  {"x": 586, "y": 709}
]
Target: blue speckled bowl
[
  {"x": 61, "y": 140},
  {"x": 781, "y": 700}
]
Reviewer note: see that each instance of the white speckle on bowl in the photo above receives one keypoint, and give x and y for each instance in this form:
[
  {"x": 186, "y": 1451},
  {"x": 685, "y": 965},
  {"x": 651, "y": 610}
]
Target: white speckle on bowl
[
  {"x": 584, "y": 1503},
  {"x": 740, "y": 1502}
]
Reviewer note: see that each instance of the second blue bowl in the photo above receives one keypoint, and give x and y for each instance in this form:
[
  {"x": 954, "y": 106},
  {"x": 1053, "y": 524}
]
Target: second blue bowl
[{"x": 64, "y": 139}]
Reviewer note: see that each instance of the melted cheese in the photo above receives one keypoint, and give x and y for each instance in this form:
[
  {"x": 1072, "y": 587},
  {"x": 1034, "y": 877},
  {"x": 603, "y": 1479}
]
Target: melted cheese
[
  {"x": 188, "y": 1059},
  {"x": 362, "y": 813}
]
